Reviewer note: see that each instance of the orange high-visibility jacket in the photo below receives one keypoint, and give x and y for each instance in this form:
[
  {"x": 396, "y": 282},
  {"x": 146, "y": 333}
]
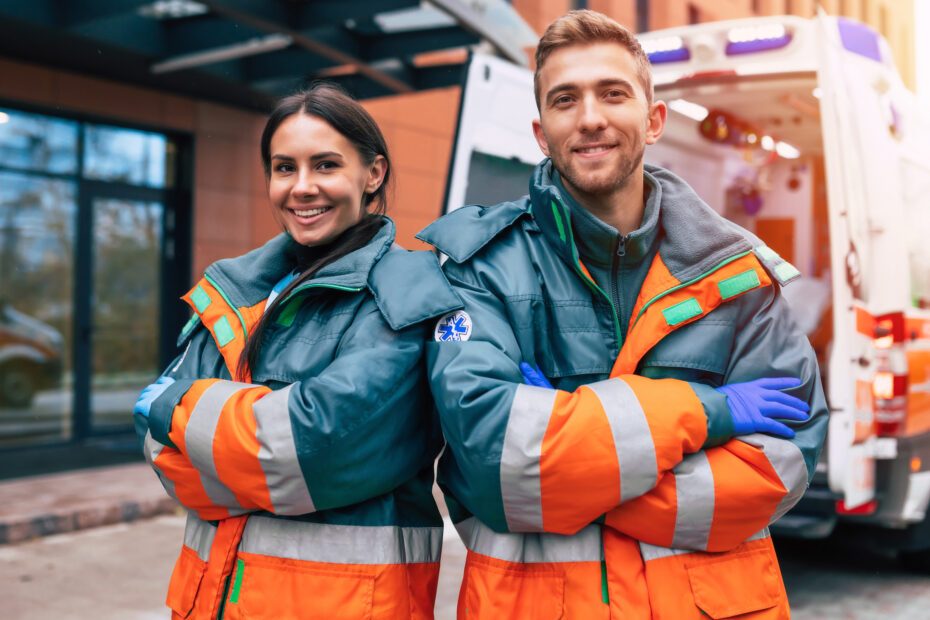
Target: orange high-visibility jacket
[
  {"x": 309, "y": 484},
  {"x": 614, "y": 495}
]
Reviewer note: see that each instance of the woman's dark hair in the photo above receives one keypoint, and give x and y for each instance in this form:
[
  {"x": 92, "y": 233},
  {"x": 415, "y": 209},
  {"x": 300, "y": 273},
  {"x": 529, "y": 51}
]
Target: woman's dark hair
[{"x": 340, "y": 111}]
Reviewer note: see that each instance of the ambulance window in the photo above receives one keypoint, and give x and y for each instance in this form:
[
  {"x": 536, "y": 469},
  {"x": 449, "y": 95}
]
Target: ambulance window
[
  {"x": 915, "y": 183},
  {"x": 493, "y": 179}
]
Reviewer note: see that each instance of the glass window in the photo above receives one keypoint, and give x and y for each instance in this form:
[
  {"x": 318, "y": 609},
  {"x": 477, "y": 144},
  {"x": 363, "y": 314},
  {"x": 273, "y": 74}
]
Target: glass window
[
  {"x": 37, "y": 245},
  {"x": 39, "y": 143},
  {"x": 493, "y": 179},
  {"x": 126, "y": 156}
]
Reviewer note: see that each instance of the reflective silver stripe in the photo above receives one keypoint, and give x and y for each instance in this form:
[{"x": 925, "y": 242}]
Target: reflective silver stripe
[
  {"x": 152, "y": 449},
  {"x": 636, "y": 452},
  {"x": 341, "y": 544},
  {"x": 788, "y": 461},
  {"x": 198, "y": 439},
  {"x": 652, "y": 552},
  {"x": 694, "y": 485},
  {"x": 585, "y": 546},
  {"x": 277, "y": 455},
  {"x": 521, "y": 489},
  {"x": 198, "y": 535}
]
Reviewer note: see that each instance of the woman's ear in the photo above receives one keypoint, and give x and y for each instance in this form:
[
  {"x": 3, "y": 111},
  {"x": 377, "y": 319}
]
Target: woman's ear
[{"x": 376, "y": 172}]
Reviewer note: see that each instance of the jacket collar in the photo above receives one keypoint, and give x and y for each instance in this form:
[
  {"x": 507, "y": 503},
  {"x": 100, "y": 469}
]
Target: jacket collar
[
  {"x": 598, "y": 241},
  {"x": 248, "y": 279},
  {"x": 693, "y": 238}
]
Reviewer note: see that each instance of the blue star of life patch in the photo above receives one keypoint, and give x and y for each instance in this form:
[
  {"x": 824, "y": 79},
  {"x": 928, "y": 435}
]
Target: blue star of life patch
[{"x": 454, "y": 327}]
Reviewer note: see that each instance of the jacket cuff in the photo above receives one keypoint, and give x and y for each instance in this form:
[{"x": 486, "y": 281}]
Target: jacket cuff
[
  {"x": 719, "y": 420},
  {"x": 163, "y": 409}
]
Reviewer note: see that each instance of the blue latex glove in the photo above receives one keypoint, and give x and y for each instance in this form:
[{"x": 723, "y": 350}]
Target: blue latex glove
[
  {"x": 755, "y": 405},
  {"x": 534, "y": 376},
  {"x": 149, "y": 394}
]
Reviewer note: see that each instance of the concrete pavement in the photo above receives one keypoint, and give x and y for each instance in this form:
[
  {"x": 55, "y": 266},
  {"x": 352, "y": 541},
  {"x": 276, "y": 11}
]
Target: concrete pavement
[{"x": 121, "y": 572}]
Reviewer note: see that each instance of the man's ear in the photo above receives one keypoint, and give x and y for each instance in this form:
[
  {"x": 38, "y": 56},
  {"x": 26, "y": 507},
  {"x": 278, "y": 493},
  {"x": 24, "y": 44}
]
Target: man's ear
[
  {"x": 655, "y": 124},
  {"x": 540, "y": 137}
]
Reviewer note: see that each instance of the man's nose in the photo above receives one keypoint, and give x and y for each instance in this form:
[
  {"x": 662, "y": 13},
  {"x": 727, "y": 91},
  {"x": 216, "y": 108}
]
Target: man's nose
[{"x": 592, "y": 117}]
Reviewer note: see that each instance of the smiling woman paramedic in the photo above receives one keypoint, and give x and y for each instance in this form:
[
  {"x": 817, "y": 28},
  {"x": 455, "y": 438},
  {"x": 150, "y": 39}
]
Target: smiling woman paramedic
[{"x": 295, "y": 426}]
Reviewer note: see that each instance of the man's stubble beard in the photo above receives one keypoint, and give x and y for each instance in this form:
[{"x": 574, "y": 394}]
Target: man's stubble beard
[{"x": 594, "y": 188}]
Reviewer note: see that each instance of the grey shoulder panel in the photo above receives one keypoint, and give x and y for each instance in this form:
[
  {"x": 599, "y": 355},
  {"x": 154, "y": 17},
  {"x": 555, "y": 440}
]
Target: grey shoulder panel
[
  {"x": 409, "y": 287},
  {"x": 780, "y": 269},
  {"x": 460, "y": 234}
]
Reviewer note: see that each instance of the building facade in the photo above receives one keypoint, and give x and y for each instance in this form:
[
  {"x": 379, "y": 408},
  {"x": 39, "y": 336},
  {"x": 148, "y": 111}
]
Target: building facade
[{"x": 114, "y": 196}]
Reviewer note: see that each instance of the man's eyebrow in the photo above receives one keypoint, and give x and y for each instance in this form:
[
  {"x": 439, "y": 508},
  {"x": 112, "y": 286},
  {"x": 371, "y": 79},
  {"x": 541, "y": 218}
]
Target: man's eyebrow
[{"x": 616, "y": 82}]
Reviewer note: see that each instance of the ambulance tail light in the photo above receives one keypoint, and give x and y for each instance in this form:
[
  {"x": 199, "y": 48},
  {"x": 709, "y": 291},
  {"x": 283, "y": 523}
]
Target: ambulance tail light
[
  {"x": 890, "y": 381},
  {"x": 867, "y": 508}
]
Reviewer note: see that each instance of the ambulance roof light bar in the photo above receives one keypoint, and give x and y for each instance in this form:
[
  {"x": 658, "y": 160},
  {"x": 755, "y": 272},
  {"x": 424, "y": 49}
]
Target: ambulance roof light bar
[
  {"x": 666, "y": 49},
  {"x": 751, "y": 39}
]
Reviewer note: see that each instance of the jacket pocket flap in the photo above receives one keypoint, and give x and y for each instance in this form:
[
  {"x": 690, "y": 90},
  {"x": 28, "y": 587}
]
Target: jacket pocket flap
[
  {"x": 185, "y": 582},
  {"x": 736, "y": 584}
]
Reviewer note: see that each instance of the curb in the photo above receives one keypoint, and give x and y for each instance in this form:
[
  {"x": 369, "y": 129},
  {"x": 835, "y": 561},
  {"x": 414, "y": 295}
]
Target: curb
[{"x": 31, "y": 527}]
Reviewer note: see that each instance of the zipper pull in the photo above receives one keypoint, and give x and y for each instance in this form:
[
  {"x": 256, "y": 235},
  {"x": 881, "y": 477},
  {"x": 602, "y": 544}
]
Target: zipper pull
[{"x": 621, "y": 249}]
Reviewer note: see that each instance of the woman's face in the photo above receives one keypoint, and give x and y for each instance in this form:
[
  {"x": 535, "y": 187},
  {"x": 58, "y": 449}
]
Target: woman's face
[{"x": 318, "y": 180}]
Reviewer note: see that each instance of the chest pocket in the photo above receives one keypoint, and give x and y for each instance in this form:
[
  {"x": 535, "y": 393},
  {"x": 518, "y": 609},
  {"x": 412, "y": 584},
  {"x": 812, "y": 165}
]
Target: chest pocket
[
  {"x": 698, "y": 352},
  {"x": 307, "y": 345},
  {"x": 565, "y": 337}
]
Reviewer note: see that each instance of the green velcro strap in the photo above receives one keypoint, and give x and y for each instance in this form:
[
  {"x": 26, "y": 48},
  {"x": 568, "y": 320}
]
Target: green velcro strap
[
  {"x": 289, "y": 312},
  {"x": 768, "y": 253},
  {"x": 223, "y": 332},
  {"x": 681, "y": 312},
  {"x": 201, "y": 300},
  {"x": 738, "y": 284},
  {"x": 237, "y": 583},
  {"x": 786, "y": 272}
]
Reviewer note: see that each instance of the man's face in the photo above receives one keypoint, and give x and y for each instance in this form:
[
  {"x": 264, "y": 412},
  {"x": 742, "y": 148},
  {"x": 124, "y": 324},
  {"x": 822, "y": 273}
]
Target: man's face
[{"x": 595, "y": 120}]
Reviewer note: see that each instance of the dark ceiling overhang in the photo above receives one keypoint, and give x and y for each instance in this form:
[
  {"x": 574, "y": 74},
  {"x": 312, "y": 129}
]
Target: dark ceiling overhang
[{"x": 247, "y": 53}]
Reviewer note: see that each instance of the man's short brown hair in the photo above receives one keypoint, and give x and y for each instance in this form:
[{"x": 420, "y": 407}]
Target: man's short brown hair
[{"x": 584, "y": 27}]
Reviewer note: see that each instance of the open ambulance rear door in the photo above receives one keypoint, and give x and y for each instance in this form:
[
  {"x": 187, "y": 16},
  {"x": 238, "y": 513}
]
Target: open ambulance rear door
[
  {"x": 494, "y": 150},
  {"x": 867, "y": 227}
]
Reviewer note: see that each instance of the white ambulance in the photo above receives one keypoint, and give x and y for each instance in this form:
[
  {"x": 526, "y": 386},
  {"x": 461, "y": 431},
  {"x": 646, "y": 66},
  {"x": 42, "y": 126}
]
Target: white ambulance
[{"x": 801, "y": 131}]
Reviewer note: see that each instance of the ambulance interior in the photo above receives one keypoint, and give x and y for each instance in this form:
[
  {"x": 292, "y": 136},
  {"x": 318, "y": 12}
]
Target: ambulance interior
[{"x": 753, "y": 150}]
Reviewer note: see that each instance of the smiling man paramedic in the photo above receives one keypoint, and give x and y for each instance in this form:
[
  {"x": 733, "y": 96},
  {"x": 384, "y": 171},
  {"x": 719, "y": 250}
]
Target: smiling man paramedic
[{"x": 635, "y": 489}]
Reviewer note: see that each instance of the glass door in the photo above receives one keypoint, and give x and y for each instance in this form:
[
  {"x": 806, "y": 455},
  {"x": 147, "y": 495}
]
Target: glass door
[{"x": 127, "y": 246}]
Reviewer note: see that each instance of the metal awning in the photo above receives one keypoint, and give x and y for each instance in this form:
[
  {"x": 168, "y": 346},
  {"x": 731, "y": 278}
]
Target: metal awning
[{"x": 247, "y": 53}]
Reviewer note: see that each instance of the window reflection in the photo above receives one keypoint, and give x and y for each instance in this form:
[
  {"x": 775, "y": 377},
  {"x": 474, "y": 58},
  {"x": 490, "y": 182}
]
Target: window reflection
[
  {"x": 36, "y": 284},
  {"x": 36, "y": 142},
  {"x": 126, "y": 156}
]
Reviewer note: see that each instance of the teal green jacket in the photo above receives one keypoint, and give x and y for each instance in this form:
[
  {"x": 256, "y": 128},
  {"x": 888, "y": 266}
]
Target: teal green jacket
[
  {"x": 634, "y": 415},
  {"x": 335, "y": 424}
]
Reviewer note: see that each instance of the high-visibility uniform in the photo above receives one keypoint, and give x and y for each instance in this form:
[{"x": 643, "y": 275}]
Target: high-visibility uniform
[
  {"x": 308, "y": 483},
  {"x": 620, "y": 494}
]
